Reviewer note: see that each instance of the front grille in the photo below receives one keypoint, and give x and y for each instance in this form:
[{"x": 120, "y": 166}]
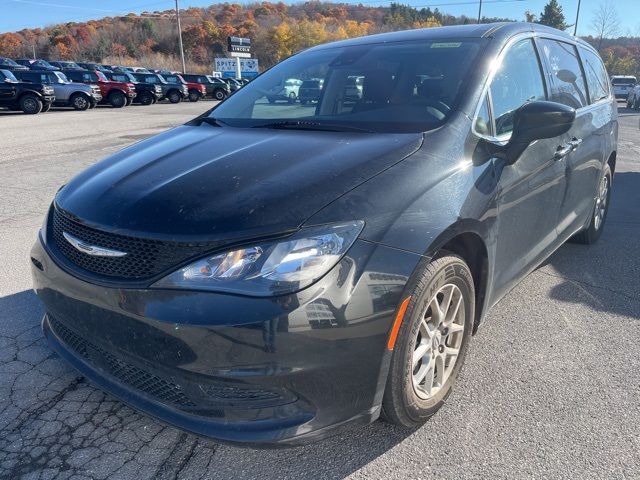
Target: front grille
[
  {"x": 144, "y": 258},
  {"x": 152, "y": 385}
]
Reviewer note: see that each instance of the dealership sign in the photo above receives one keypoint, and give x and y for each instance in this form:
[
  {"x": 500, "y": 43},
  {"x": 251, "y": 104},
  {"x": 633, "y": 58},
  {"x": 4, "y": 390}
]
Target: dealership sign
[
  {"x": 227, "y": 66},
  {"x": 239, "y": 47}
]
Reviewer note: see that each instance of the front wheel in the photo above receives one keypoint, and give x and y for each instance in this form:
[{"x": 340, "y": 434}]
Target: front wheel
[
  {"x": 219, "y": 95},
  {"x": 31, "y": 104},
  {"x": 174, "y": 97},
  {"x": 591, "y": 234},
  {"x": 146, "y": 98},
  {"x": 45, "y": 107},
  {"x": 194, "y": 96},
  {"x": 432, "y": 341},
  {"x": 117, "y": 100},
  {"x": 80, "y": 102}
]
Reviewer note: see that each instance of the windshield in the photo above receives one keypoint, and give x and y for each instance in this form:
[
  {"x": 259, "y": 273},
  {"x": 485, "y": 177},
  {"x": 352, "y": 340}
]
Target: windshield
[
  {"x": 8, "y": 61},
  {"x": 42, "y": 63},
  {"x": 385, "y": 87}
]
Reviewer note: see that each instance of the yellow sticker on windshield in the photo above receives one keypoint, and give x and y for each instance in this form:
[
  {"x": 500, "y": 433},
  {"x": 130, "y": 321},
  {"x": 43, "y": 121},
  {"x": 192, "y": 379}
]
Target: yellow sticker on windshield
[{"x": 446, "y": 45}]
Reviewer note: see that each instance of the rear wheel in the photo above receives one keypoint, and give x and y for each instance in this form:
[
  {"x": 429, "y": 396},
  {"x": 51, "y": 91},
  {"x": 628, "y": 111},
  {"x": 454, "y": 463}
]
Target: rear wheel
[
  {"x": 591, "y": 234},
  {"x": 219, "y": 95},
  {"x": 174, "y": 96},
  {"x": 431, "y": 343},
  {"x": 46, "y": 107},
  {"x": 194, "y": 95},
  {"x": 79, "y": 101},
  {"x": 117, "y": 100},
  {"x": 129, "y": 101},
  {"x": 31, "y": 104}
]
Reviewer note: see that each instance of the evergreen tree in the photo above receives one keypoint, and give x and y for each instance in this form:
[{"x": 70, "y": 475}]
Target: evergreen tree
[{"x": 553, "y": 16}]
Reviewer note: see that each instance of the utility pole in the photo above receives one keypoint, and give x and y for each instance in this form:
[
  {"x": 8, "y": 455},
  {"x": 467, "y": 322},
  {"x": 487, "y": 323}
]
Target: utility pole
[
  {"x": 184, "y": 68},
  {"x": 575, "y": 27},
  {"x": 33, "y": 49},
  {"x": 479, "y": 10}
]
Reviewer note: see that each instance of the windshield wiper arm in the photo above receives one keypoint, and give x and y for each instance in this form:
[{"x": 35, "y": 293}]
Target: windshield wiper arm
[
  {"x": 310, "y": 125},
  {"x": 212, "y": 121}
]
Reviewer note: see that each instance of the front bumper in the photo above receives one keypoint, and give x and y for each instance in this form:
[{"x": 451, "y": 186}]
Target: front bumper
[{"x": 256, "y": 371}]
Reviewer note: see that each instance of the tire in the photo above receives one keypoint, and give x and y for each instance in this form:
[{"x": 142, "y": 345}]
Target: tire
[
  {"x": 79, "y": 102},
  {"x": 219, "y": 95},
  {"x": 447, "y": 279},
  {"x": 93, "y": 104},
  {"x": 117, "y": 100},
  {"x": 146, "y": 98},
  {"x": 194, "y": 95},
  {"x": 271, "y": 100},
  {"x": 174, "y": 96},
  {"x": 292, "y": 97},
  {"x": 129, "y": 101},
  {"x": 591, "y": 234},
  {"x": 30, "y": 104},
  {"x": 45, "y": 108}
]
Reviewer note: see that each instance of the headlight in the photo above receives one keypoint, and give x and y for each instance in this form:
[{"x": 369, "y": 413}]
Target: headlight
[{"x": 269, "y": 268}]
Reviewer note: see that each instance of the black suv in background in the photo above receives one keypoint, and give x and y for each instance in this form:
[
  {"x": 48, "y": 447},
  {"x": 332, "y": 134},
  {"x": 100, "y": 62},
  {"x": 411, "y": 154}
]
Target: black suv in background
[
  {"x": 11, "y": 65},
  {"x": 62, "y": 65},
  {"x": 93, "y": 67},
  {"x": 175, "y": 93},
  {"x": 36, "y": 64},
  {"x": 216, "y": 88},
  {"x": 29, "y": 97},
  {"x": 146, "y": 93}
]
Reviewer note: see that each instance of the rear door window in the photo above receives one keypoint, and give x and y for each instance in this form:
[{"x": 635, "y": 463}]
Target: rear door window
[
  {"x": 517, "y": 81},
  {"x": 597, "y": 79},
  {"x": 568, "y": 85}
]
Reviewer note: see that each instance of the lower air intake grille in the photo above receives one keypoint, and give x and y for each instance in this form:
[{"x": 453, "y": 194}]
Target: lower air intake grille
[{"x": 152, "y": 385}]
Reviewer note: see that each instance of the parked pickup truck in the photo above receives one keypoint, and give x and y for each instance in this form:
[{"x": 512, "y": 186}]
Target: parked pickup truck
[
  {"x": 117, "y": 94},
  {"x": 172, "y": 92},
  {"x": 77, "y": 95},
  {"x": 216, "y": 88},
  {"x": 29, "y": 97},
  {"x": 146, "y": 93}
]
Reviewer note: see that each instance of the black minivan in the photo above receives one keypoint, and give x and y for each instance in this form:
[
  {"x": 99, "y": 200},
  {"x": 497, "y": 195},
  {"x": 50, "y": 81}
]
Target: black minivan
[{"x": 270, "y": 273}]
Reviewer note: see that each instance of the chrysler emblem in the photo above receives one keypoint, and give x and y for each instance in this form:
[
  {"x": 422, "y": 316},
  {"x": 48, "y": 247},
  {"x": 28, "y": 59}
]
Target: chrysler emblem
[{"x": 91, "y": 249}]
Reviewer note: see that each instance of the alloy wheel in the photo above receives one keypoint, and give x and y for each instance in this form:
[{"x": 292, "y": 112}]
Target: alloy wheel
[
  {"x": 438, "y": 341},
  {"x": 601, "y": 202}
]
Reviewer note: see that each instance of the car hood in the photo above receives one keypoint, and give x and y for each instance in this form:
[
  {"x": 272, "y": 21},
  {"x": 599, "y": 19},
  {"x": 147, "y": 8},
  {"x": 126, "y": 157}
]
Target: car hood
[{"x": 220, "y": 183}]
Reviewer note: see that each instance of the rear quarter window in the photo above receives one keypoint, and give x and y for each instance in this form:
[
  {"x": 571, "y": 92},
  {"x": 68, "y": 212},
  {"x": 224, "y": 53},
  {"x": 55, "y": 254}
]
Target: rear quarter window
[
  {"x": 597, "y": 79},
  {"x": 568, "y": 85}
]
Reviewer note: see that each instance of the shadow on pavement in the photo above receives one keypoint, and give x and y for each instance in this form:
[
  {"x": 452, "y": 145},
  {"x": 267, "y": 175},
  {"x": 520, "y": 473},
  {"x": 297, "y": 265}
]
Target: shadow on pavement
[{"x": 605, "y": 276}]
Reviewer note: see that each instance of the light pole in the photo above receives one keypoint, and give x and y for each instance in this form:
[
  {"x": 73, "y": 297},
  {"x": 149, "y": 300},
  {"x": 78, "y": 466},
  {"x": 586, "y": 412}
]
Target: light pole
[
  {"x": 184, "y": 68},
  {"x": 575, "y": 27},
  {"x": 479, "y": 10},
  {"x": 33, "y": 49}
]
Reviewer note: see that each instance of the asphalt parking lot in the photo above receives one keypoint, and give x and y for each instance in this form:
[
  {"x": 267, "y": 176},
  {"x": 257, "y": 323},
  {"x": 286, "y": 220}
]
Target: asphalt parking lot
[{"x": 550, "y": 388}]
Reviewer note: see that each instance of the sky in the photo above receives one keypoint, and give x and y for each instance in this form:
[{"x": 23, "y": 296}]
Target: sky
[{"x": 18, "y": 14}]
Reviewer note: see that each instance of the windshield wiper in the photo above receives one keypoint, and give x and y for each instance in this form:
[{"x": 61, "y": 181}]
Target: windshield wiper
[{"x": 309, "y": 125}]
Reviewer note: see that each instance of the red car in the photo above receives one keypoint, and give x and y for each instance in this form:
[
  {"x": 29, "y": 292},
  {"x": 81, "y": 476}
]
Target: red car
[
  {"x": 196, "y": 90},
  {"x": 116, "y": 94}
]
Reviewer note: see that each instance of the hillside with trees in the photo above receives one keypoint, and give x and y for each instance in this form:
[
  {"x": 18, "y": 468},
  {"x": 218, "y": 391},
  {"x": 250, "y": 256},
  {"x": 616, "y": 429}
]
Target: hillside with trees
[{"x": 276, "y": 29}]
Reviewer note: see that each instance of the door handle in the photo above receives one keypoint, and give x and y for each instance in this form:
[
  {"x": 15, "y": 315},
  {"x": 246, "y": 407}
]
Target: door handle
[
  {"x": 562, "y": 151},
  {"x": 575, "y": 143}
]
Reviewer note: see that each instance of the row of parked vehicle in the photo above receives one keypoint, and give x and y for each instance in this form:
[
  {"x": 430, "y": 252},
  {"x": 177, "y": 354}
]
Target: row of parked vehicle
[
  {"x": 34, "y": 85},
  {"x": 627, "y": 87}
]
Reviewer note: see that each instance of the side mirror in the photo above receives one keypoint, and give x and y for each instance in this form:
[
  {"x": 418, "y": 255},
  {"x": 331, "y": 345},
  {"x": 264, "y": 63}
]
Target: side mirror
[{"x": 534, "y": 121}]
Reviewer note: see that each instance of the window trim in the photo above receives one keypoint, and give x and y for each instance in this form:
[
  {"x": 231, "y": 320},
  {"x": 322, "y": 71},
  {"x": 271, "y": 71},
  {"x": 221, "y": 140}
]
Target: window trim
[{"x": 496, "y": 62}]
